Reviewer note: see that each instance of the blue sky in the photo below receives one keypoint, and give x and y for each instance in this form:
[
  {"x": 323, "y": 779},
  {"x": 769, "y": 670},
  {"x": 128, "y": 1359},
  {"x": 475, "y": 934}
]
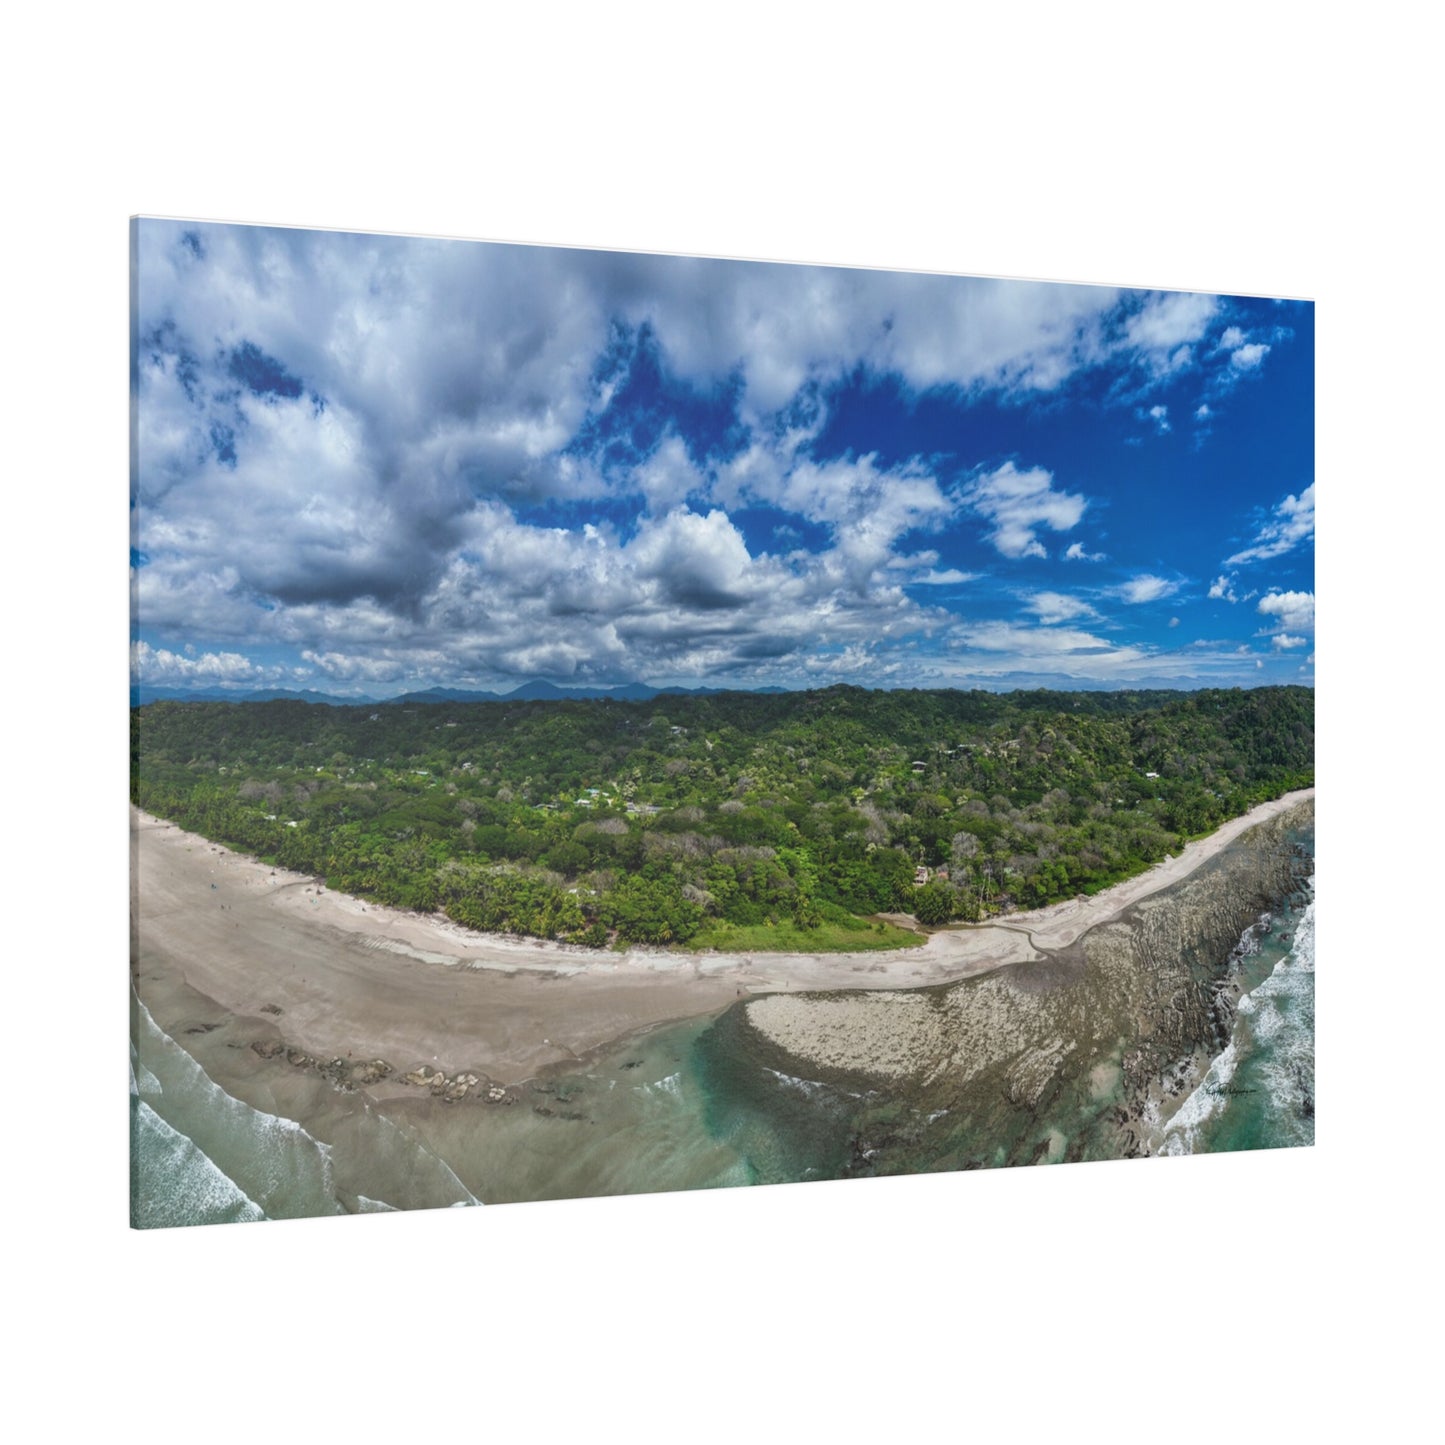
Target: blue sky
[{"x": 368, "y": 464}]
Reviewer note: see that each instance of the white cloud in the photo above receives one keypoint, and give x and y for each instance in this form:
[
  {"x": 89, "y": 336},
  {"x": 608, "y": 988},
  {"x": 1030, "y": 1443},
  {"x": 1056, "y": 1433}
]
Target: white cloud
[
  {"x": 699, "y": 562},
  {"x": 1174, "y": 622},
  {"x": 668, "y": 477},
  {"x": 1147, "y": 588},
  {"x": 1223, "y": 588},
  {"x": 353, "y": 491},
  {"x": 1292, "y": 610},
  {"x": 1283, "y": 640},
  {"x": 1231, "y": 337},
  {"x": 1052, "y": 607},
  {"x": 1019, "y": 504},
  {"x": 160, "y": 665},
  {"x": 1290, "y": 524},
  {"x": 866, "y": 510},
  {"x": 1246, "y": 358},
  {"x": 348, "y": 667},
  {"x": 1034, "y": 643},
  {"x": 1169, "y": 321},
  {"x": 1001, "y": 653},
  {"x": 1202, "y": 412}
]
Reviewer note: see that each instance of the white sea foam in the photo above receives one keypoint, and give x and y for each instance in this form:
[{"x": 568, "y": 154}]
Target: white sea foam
[
  {"x": 273, "y": 1160},
  {"x": 809, "y": 1088},
  {"x": 671, "y": 1085},
  {"x": 181, "y": 1184},
  {"x": 1277, "y": 1020},
  {"x": 1283, "y": 1017},
  {"x": 1181, "y": 1135}
]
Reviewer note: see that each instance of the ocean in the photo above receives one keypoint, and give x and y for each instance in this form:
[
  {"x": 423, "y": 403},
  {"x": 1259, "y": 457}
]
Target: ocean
[
  {"x": 220, "y": 1135},
  {"x": 1259, "y": 1093}
]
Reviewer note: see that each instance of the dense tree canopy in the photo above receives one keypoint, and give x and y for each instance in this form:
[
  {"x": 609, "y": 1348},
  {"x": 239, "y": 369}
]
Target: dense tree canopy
[{"x": 679, "y": 818}]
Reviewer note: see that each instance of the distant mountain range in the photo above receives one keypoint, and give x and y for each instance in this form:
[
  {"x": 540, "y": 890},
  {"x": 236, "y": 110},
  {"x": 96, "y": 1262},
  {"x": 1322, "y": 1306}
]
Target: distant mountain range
[{"x": 537, "y": 690}]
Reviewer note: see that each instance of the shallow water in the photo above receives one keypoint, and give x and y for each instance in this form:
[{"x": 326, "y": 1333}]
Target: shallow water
[
  {"x": 673, "y": 1108},
  {"x": 191, "y": 1140},
  {"x": 202, "y": 1154},
  {"x": 695, "y": 1105}
]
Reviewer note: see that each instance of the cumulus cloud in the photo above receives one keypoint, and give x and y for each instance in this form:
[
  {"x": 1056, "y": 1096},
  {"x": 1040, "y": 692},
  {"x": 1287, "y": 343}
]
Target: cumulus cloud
[
  {"x": 1246, "y": 358},
  {"x": 1291, "y": 610},
  {"x": 669, "y": 475},
  {"x": 1222, "y": 588},
  {"x": 376, "y": 455},
  {"x": 1020, "y": 503},
  {"x": 1283, "y": 640},
  {"x": 1289, "y": 525},
  {"x": 160, "y": 665},
  {"x": 683, "y": 597}
]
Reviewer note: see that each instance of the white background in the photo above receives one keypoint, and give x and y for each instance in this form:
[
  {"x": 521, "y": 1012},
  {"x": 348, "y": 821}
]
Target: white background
[{"x": 1210, "y": 147}]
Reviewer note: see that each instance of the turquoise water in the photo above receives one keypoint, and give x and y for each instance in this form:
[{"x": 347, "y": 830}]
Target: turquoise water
[
  {"x": 674, "y": 1108},
  {"x": 684, "y": 1106},
  {"x": 1259, "y": 1093}
]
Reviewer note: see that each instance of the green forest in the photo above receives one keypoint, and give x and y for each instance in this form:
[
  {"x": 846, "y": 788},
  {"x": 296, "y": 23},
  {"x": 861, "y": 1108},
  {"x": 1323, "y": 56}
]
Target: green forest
[{"x": 731, "y": 820}]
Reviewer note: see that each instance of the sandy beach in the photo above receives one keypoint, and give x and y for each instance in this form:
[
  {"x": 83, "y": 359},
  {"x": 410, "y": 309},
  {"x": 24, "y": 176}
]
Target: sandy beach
[{"x": 338, "y": 976}]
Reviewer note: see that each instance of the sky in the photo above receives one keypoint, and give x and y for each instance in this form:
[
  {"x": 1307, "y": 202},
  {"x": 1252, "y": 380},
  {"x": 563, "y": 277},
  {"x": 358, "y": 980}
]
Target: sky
[{"x": 368, "y": 464}]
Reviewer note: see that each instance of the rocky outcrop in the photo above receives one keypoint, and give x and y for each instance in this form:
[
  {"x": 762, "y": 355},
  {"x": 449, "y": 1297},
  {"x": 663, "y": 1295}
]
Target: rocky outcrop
[
  {"x": 1067, "y": 1057},
  {"x": 346, "y": 1074}
]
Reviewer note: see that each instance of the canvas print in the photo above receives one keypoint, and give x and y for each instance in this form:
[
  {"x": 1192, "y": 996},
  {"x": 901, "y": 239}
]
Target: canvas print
[{"x": 610, "y": 723}]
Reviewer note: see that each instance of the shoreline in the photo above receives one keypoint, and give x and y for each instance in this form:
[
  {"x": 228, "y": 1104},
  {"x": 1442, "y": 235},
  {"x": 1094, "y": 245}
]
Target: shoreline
[{"x": 339, "y": 976}]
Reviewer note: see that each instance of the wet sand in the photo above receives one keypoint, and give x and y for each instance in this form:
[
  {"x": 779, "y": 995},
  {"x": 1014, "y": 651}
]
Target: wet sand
[{"x": 339, "y": 976}]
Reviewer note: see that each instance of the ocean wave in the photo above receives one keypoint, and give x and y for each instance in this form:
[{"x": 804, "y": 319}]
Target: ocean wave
[
  {"x": 1282, "y": 1019},
  {"x": 182, "y": 1184},
  {"x": 1181, "y": 1133},
  {"x": 1250, "y": 940},
  {"x": 272, "y": 1160},
  {"x": 1273, "y": 1041}
]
